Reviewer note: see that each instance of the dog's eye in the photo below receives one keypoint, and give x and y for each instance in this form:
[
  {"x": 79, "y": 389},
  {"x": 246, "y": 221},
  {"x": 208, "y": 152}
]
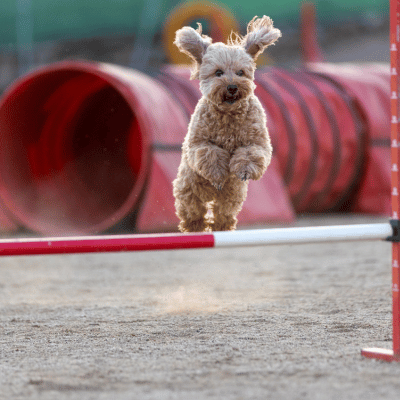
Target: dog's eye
[
  {"x": 240, "y": 73},
  {"x": 219, "y": 72}
]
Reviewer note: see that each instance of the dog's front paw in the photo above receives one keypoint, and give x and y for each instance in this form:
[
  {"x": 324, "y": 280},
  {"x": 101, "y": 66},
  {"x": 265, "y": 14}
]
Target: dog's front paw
[
  {"x": 244, "y": 175},
  {"x": 249, "y": 163},
  {"x": 212, "y": 163},
  {"x": 217, "y": 185},
  {"x": 218, "y": 179}
]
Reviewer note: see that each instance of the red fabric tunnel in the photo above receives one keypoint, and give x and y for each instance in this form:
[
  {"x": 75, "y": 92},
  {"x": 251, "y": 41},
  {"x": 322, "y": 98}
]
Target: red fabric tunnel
[
  {"x": 368, "y": 89},
  {"x": 88, "y": 147},
  {"x": 75, "y": 145}
]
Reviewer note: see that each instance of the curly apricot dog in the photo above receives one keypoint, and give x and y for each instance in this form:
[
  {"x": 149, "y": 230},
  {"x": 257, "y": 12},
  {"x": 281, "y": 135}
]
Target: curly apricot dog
[{"x": 227, "y": 141}]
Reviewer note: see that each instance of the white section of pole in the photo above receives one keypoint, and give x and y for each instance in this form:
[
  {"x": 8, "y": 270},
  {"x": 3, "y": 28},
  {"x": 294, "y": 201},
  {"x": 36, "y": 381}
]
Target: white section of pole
[{"x": 313, "y": 234}]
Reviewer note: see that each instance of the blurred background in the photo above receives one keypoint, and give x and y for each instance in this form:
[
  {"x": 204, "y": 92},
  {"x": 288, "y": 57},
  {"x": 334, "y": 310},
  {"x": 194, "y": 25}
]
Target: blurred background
[
  {"x": 96, "y": 99},
  {"x": 133, "y": 32}
]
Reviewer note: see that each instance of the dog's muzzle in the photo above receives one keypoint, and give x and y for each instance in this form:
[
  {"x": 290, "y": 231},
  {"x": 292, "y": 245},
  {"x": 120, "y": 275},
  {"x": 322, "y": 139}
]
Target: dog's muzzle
[{"x": 232, "y": 94}]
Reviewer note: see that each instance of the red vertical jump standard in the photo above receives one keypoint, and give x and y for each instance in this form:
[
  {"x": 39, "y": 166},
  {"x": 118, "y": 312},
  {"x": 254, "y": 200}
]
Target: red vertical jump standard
[{"x": 384, "y": 354}]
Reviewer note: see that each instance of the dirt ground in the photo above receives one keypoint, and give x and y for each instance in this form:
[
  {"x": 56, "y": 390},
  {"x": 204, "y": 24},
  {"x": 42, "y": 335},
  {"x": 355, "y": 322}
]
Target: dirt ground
[{"x": 277, "y": 322}]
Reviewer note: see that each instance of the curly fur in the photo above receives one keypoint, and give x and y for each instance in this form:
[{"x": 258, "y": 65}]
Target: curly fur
[
  {"x": 194, "y": 44},
  {"x": 227, "y": 141},
  {"x": 260, "y": 34}
]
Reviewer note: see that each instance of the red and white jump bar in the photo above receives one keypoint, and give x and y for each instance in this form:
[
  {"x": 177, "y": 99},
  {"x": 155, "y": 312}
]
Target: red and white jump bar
[{"x": 257, "y": 237}]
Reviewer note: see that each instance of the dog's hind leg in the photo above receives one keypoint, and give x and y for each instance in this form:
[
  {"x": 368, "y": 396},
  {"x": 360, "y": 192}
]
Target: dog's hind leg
[
  {"x": 225, "y": 216},
  {"x": 228, "y": 205},
  {"x": 192, "y": 213}
]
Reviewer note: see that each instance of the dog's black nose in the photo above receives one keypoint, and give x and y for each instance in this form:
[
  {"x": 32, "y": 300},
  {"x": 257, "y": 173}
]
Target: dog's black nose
[{"x": 232, "y": 89}]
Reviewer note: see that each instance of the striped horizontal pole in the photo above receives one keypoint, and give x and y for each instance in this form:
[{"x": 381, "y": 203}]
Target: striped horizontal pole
[{"x": 257, "y": 237}]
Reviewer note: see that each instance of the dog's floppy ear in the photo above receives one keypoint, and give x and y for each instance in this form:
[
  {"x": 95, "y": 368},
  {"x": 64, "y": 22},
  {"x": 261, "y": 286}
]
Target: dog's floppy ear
[
  {"x": 192, "y": 43},
  {"x": 260, "y": 34}
]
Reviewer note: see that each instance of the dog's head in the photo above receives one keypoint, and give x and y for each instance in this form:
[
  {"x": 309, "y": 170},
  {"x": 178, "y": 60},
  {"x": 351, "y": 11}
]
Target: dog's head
[{"x": 226, "y": 71}]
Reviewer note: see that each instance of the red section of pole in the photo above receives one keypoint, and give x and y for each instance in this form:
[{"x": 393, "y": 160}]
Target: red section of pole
[
  {"x": 394, "y": 98},
  {"x": 94, "y": 244},
  {"x": 383, "y": 354}
]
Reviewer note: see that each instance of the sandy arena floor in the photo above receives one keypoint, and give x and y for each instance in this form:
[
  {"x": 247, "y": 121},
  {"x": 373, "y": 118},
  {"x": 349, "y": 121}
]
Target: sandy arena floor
[{"x": 279, "y": 322}]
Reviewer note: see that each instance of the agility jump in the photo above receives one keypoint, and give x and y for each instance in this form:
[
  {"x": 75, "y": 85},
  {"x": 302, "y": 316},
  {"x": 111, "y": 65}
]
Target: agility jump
[{"x": 385, "y": 231}]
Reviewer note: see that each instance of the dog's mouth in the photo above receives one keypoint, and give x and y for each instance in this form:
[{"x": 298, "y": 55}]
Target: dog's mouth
[{"x": 231, "y": 98}]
